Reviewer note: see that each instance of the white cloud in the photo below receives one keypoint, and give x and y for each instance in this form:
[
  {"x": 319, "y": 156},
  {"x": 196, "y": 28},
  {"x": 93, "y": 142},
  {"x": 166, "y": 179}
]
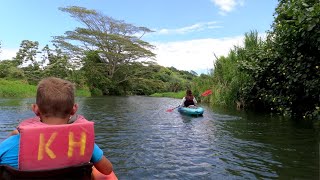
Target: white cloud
[
  {"x": 193, "y": 28},
  {"x": 194, "y": 54},
  {"x": 7, "y": 53},
  {"x": 226, "y": 6}
]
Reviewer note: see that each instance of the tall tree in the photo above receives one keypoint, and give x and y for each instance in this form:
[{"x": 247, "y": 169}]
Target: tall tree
[
  {"x": 27, "y": 53},
  {"x": 117, "y": 42},
  {"x": 57, "y": 63}
]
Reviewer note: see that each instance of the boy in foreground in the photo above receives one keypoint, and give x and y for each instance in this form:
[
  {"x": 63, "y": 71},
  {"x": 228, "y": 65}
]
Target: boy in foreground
[{"x": 55, "y": 138}]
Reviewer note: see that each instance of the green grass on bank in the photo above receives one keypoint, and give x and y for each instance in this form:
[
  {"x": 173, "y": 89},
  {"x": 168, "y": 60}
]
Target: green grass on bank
[
  {"x": 21, "y": 89},
  {"x": 16, "y": 88},
  {"x": 178, "y": 95},
  {"x": 83, "y": 92}
]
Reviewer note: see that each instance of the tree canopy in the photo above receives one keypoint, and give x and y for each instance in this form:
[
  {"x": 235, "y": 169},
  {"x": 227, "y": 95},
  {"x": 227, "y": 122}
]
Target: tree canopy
[{"x": 116, "y": 42}]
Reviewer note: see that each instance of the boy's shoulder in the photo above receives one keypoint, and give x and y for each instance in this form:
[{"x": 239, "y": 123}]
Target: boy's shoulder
[
  {"x": 9, "y": 143},
  {"x": 11, "y": 139}
]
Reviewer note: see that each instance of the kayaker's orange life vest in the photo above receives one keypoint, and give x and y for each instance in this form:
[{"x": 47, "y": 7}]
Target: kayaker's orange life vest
[{"x": 44, "y": 146}]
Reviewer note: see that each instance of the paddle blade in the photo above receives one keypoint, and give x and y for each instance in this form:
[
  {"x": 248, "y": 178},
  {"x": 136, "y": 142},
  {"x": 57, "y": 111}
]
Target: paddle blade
[
  {"x": 169, "y": 110},
  {"x": 206, "y": 93}
]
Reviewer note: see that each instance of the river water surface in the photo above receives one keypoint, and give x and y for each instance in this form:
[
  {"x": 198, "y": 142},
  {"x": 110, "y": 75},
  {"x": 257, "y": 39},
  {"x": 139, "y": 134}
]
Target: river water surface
[{"x": 143, "y": 141}]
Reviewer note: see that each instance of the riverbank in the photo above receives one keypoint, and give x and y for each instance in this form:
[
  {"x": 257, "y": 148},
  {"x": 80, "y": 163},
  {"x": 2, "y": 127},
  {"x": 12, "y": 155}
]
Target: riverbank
[{"x": 21, "y": 89}]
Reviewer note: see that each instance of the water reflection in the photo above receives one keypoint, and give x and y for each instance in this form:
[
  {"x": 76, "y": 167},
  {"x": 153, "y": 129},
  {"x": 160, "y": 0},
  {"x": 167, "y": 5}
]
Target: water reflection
[
  {"x": 143, "y": 141},
  {"x": 12, "y": 111}
]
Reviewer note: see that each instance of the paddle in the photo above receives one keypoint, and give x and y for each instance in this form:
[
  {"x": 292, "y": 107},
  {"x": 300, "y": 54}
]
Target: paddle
[
  {"x": 206, "y": 93},
  {"x": 170, "y": 110}
]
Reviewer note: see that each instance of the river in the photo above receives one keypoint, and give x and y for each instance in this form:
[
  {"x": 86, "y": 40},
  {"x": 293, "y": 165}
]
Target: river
[{"x": 143, "y": 141}]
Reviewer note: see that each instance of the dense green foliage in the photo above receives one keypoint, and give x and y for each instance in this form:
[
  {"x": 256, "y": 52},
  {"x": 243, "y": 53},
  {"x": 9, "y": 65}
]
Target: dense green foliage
[
  {"x": 279, "y": 74},
  {"x": 285, "y": 69},
  {"x": 292, "y": 69},
  {"x": 139, "y": 78}
]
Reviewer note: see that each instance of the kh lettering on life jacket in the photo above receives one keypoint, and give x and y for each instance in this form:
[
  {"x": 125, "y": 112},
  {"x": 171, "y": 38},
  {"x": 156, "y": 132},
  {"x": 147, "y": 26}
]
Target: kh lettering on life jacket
[{"x": 45, "y": 146}]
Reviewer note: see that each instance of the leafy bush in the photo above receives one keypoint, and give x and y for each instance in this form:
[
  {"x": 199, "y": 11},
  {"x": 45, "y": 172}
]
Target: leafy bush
[{"x": 287, "y": 76}]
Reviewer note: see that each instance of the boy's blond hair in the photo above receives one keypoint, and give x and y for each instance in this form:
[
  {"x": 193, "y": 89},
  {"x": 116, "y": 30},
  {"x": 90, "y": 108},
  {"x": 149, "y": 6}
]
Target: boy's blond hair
[{"x": 55, "y": 97}]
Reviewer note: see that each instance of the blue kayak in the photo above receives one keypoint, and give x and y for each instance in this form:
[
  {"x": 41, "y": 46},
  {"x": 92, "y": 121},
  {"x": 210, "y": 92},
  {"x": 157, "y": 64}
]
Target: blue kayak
[{"x": 191, "y": 111}]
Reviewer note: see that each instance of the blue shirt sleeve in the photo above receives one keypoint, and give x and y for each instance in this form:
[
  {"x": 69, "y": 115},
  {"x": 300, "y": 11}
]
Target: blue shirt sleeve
[
  {"x": 9, "y": 150},
  {"x": 97, "y": 154}
]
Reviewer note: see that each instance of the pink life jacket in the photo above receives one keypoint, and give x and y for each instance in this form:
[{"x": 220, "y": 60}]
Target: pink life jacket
[{"x": 44, "y": 146}]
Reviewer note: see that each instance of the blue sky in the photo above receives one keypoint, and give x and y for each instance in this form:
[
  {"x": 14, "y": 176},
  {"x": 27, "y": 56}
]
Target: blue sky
[{"x": 188, "y": 32}]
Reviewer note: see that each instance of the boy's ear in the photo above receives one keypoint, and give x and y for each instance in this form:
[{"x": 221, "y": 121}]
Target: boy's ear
[
  {"x": 74, "y": 109},
  {"x": 35, "y": 109}
]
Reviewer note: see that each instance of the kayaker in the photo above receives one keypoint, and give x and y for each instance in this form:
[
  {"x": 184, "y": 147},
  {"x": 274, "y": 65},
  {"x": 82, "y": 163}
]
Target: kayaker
[
  {"x": 189, "y": 100},
  {"x": 54, "y": 109}
]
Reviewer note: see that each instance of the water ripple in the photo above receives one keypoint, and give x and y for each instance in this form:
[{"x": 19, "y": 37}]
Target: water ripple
[{"x": 143, "y": 141}]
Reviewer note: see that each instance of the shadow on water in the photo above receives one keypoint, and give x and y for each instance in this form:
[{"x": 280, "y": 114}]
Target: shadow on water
[{"x": 143, "y": 141}]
